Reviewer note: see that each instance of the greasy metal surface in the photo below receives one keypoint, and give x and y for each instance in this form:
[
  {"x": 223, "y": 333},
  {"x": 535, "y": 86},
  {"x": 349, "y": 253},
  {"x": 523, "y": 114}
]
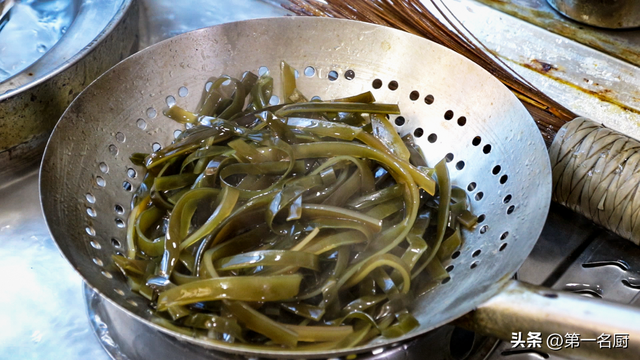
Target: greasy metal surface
[
  {"x": 31, "y": 102},
  {"x": 623, "y": 44},
  {"x": 550, "y": 312},
  {"x": 620, "y": 14},
  {"x": 96, "y": 137},
  {"x": 588, "y": 82}
]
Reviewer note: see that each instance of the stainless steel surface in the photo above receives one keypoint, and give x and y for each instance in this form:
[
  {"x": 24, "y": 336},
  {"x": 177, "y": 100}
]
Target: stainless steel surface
[
  {"x": 5, "y": 7},
  {"x": 523, "y": 308},
  {"x": 565, "y": 238},
  {"x": 43, "y": 314},
  {"x": 622, "y": 44},
  {"x": 588, "y": 82},
  {"x": 601, "y": 265},
  {"x": 125, "y": 338},
  {"x": 96, "y": 138},
  {"x": 618, "y": 14},
  {"x": 103, "y": 33}
]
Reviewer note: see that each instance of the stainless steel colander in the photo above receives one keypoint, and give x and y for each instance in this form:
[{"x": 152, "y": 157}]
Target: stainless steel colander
[{"x": 454, "y": 109}]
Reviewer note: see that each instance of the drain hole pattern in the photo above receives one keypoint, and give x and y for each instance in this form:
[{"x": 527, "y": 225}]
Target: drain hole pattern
[{"x": 129, "y": 183}]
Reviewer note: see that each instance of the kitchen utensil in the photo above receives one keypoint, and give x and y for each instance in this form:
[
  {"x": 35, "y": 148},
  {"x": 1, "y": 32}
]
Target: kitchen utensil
[
  {"x": 101, "y": 34},
  {"x": 619, "y": 14},
  {"x": 609, "y": 198},
  {"x": 453, "y": 108}
]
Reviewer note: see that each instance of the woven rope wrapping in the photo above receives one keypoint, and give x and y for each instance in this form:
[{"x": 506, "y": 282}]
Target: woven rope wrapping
[{"x": 596, "y": 172}]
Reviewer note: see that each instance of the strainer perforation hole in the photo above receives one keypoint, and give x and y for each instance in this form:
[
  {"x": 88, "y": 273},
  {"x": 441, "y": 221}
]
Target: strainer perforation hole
[
  {"x": 131, "y": 173},
  {"x": 91, "y": 212},
  {"x": 376, "y": 84},
  {"x": 119, "y": 223},
  {"x": 296, "y": 73},
  {"x": 90, "y": 198},
  {"x": 462, "y": 121},
  {"x": 208, "y": 85},
  {"x": 448, "y": 115},
  {"x": 119, "y": 292},
  {"x": 449, "y": 268},
  {"x": 100, "y": 181},
  {"x": 476, "y": 141},
  {"x": 479, "y": 196},
  {"x": 486, "y": 149},
  {"x": 107, "y": 274},
  {"x": 90, "y": 230},
  {"x": 460, "y": 165},
  {"x": 156, "y": 146},
  {"x": 127, "y": 186},
  {"x": 484, "y": 228},
  {"x": 446, "y": 280},
  {"x": 316, "y": 98},
  {"x": 275, "y": 100},
  {"x": 504, "y": 178},
  {"x": 481, "y": 218},
  {"x": 177, "y": 133},
  {"x": 183, "y": 91},
  {"x": 118, "y": 209},
  {"x": 507, "y": 199},
  {"x": 97, "y": 261},
  {"x": 120, "y": 137},
  {"x": 503, "y": 246},
  {"x": 504, "y": 235},
  {"x": 511, "y": 209},
  {"x": 393, "y": 85},
  {"x": 133, "y": 303},
  {"x": 449, "y": 157},
  {"x": 103, "y": 167},
  {"x": 332, "y": 75},
  {"x": 474, "y": 265},
  {"x": 309, "y": 71},
  {"x": 95, "y": 244},
  {"x": 349, "y": 74},
  {"x": 472, "y": 186},
  {"x": 496, "y": 170},
  {"x": 170, "y": 101},
  {"x": 151, "y": 113},
  {"x": 399, "y": 121},
  {"x": 476, "y": 253},
  {"x": 432, "y": 138},
  {"x": 455, "y": 254},
  {"x": 141, "y": 124},
  {"x": 263, "y": 70},
  {"x": 113, "y": 150},
  {"x": 414, "y": 95},
  {"x": 418, "y": 132},
  {"x": 429, "y": 99},
  {"x": 116, "y": 243}
]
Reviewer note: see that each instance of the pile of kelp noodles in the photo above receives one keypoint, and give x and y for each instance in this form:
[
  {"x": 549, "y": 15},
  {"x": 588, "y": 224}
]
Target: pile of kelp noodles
[{"x": 304, "y": 225}]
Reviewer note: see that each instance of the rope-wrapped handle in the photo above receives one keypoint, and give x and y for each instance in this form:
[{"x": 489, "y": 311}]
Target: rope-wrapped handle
[{"x": 596, "y": 172}]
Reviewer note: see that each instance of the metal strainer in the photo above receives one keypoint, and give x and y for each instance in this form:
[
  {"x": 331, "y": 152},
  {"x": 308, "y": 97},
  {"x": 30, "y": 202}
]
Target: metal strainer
[{"x": 452, "y": 107}]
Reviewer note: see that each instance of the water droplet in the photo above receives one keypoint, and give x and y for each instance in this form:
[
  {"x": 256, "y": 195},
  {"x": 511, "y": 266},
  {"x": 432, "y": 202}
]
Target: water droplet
[{"x": 42, "y": 48}]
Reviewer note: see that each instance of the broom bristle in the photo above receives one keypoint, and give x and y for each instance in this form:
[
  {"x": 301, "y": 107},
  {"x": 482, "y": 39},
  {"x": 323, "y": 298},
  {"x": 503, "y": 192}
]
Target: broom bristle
[{"x": 413, "y": 17}]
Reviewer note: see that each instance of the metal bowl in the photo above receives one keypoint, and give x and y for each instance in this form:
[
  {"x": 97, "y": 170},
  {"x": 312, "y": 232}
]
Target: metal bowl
[
  {"x": 611, "y": 14},
  {"x": 31, "y": 102}
]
